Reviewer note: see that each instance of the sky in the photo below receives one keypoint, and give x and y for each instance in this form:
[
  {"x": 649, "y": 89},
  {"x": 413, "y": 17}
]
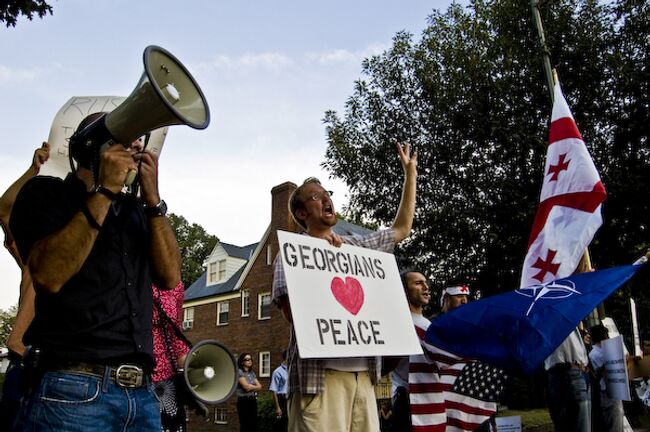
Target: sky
[{"x": 269, "y": 71}]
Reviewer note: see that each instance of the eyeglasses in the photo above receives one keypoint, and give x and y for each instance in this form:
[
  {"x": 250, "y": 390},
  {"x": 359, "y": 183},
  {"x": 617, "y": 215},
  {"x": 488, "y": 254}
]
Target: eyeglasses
[
  {"x": 248, "y": 359},
  {"x": 317, "y": 196}
]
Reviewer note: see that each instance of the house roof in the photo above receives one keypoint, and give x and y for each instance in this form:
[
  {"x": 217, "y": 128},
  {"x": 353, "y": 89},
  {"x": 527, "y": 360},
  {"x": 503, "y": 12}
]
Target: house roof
[
  {"x": 344, "y": 227},
  {"x": 243, "y": 252},
  {"x": 199, "y": 289}
]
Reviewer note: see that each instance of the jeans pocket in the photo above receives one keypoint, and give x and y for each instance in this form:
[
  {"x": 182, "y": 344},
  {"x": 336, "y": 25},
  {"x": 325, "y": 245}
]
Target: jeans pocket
[{"x": 69, "y": 388}]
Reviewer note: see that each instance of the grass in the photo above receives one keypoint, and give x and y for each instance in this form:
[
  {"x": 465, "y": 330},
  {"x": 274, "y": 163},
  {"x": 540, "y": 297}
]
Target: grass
[{"x": 530, "y": 418}]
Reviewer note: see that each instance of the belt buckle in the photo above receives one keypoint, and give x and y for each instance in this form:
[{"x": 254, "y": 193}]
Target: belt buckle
[{"x": 129, "y": 376}]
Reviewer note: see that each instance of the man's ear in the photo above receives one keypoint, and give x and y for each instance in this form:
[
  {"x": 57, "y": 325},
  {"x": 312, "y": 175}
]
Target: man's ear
[{"x": 301, "y": 214}]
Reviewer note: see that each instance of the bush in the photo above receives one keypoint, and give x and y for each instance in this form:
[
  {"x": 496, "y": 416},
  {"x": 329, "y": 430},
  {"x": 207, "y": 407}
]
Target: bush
[{"x": 265, "y": 413}]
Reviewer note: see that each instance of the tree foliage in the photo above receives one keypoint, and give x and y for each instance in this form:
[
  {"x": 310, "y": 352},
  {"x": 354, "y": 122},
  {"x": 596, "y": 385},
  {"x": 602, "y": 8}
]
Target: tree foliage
[
  {"x": 195, "y": 245},
  {"x": 7, "y": 319},
  {"x": 10, "y": 10},
  {"x": 471, "y": 95}
]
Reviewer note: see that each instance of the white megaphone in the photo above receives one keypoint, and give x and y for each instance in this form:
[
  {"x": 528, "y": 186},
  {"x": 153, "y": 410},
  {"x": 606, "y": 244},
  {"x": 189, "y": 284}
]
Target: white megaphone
[
  {"x": 210, "y": 372},
  {"x": 165, "y": 95}
]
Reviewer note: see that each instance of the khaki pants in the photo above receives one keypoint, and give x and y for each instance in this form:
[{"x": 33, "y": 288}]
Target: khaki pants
[{"x": 348, "y": 404}]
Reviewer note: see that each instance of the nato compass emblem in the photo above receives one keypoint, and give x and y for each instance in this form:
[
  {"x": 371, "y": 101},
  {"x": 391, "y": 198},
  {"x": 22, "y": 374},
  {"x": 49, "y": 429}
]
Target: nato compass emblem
[{"x": 553, "y": 290}]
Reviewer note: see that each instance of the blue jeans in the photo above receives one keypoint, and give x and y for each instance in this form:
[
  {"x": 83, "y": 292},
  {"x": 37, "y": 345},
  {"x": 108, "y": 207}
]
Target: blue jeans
[
  {"x": 75, "y": 402},
  {"x": 11, "y": 394},
  {"x": 569, "y": 399}
]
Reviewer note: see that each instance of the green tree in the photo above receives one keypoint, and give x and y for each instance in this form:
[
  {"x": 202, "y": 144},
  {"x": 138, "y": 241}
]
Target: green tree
[
  {"x": 195, "y": 244},
  {"x": 470, "y": 94},
  {"x": 7, "y": 319},
  {"x": 10, "y": 10}
]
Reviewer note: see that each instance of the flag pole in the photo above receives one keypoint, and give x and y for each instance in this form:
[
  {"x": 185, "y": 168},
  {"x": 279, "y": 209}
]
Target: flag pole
[
  {"x": 551, "y": 78},
  {"x": 546, "y": 54}
]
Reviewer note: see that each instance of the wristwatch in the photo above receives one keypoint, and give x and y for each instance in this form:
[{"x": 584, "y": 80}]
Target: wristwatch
[
  {"x": 105, "y": 191},
  {"x": 159, "y": 209}
]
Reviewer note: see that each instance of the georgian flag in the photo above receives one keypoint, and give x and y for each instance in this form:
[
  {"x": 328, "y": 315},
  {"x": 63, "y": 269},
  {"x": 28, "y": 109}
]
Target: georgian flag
[{"x": 569, "y": 211}]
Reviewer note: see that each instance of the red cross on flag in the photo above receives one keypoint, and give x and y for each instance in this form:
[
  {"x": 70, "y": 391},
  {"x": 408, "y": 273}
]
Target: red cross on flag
[{"x": 569, "y": 214}]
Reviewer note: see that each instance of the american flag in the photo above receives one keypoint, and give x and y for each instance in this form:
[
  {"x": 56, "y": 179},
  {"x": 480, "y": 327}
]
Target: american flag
[
  {"x": 450, "y": 393},
  {"x": 473, "y": 398}
]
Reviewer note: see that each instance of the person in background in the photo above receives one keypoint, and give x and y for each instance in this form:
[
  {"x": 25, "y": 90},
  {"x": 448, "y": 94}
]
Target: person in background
[
  {"x": 569, "y": 387},
  {"x": 611, "y": 410},
  {"x": 11, "y": 392},
  {"x": 417, "y": 292},
  {"x": 385, "y": 416},
  {"x": 453, "y": 297},
  {"x": 170, "y": 351},
  {"x": 247, "y": 388},
  {"x": 279, "y": 387}
]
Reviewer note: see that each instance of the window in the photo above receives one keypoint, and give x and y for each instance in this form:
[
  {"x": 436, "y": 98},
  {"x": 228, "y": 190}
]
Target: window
[
  {"x": 222, "y": 312},
  {"x": 221, "y": 415},
  {"x": 188, "y": 318},
  {"x": 264, "y": 306},
  {"x": 265, "y": 364},
  {"x": 222, "y": 269},
  {"x": 245, "y": 303},
  {"x": 212, "y": 272}
]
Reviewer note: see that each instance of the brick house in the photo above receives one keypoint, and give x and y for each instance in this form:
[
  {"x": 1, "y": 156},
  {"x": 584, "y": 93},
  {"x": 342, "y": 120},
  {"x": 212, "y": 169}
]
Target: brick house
[{"x": 231, "y": 302}]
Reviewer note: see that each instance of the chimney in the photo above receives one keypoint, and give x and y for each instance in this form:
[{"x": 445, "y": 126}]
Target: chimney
[{"x": 280, "y": 216}]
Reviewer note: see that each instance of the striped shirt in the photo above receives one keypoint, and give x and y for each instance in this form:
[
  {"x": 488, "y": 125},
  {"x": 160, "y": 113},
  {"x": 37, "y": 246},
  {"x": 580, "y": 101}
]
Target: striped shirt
[
  {"x": 308, "y": 375},
  {"x": 430, "y": 375}
]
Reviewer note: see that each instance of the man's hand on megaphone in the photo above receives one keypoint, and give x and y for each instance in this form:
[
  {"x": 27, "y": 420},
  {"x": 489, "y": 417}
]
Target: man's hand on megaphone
[
  {"x": 148, "y": 165},
  {"x": 116, "y": 162}
]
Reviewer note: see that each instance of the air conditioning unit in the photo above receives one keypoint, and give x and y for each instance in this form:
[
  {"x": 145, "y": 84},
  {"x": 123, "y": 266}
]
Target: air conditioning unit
[{"x": 187, "y": 325}]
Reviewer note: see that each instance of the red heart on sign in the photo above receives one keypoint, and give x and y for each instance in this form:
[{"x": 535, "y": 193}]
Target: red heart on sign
[{"x": 349, "y": 294}]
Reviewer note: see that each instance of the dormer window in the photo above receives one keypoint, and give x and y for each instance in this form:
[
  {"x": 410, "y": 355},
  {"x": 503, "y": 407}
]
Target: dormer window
[
  {"x": 212, "y": 272},
  {"x": 217, "y": 271}
]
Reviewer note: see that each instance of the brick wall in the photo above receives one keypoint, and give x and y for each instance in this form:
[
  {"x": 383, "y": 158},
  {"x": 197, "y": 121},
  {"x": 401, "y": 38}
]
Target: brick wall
[{"x": 248, "y": 334}]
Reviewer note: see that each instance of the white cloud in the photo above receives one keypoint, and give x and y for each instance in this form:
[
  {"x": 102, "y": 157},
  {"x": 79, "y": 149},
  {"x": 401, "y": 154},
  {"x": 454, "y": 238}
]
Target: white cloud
[
  {"x": 337, "y": 56},
  {"x": 269, "y": 60},
  {"x": 9, "y": 76}
]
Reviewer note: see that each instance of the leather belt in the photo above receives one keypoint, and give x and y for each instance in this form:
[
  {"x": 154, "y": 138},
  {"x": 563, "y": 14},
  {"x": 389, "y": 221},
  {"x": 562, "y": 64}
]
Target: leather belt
[
  {"x": 565, "y": 366},
  {"x": 125, "y": 375}
]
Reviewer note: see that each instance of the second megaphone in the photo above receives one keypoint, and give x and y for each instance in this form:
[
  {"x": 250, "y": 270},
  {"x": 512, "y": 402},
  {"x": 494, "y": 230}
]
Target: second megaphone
[
  {"x": 210, "y": 372},
  {"x": 165, "y": 95}
]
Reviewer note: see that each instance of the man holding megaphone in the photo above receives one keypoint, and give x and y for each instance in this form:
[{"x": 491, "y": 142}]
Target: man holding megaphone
[{"x": 93, "y": 253}]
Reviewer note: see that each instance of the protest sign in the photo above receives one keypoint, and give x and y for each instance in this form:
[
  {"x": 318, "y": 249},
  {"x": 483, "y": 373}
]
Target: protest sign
[
  {"x": 508, "y": 424},
  {"x": 66, "y": 122},
  {"x": 615, "y": 369},
  {"x": 346, "y": 301}
]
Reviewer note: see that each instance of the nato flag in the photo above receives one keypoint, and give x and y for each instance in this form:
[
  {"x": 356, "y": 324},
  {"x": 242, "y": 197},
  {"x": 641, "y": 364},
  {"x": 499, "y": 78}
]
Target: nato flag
[{"x": 517, "y": 330}]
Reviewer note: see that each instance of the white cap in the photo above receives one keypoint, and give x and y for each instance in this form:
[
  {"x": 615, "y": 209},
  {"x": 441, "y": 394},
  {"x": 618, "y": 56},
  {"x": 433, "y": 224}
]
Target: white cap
[{"x": 454, "y": 290}]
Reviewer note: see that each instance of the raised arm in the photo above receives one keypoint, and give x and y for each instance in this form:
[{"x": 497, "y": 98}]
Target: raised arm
[
  {"x": 406, "y": 210},
  {"x": 53, "y": 260},
  {"x": 9, "y": 197},
  {"x": 24, "y": 316},
  {"x": 165, "y": 257}
]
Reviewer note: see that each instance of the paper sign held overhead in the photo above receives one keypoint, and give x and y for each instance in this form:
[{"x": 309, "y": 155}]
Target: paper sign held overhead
[{"x": 68, "y": 118}]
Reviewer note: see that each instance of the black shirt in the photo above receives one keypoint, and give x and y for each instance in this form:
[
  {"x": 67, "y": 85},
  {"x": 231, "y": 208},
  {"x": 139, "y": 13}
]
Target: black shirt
[{"x": 103, "y": 313}]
